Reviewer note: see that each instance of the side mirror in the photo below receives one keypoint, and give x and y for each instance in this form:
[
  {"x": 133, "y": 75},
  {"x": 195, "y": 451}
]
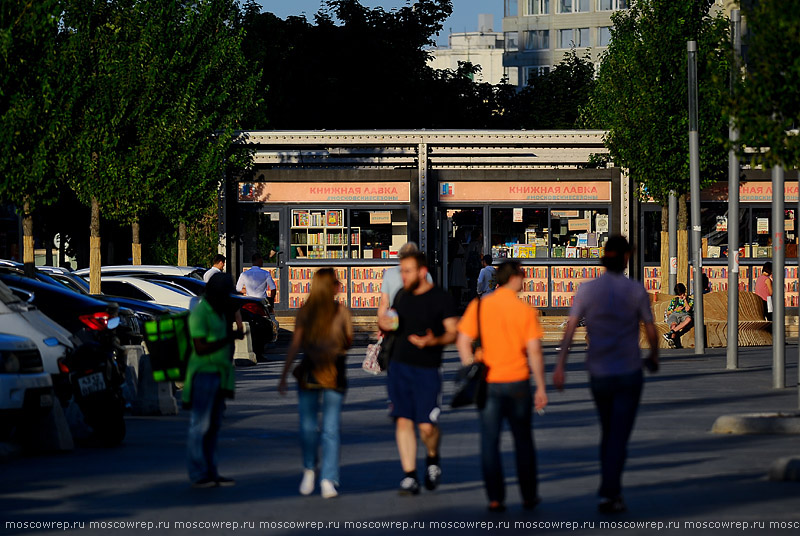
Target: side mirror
[{"x": 23, "y": 295}]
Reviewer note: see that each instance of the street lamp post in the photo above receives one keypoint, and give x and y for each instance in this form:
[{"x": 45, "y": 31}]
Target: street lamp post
[{"x": 694, "y": 178}]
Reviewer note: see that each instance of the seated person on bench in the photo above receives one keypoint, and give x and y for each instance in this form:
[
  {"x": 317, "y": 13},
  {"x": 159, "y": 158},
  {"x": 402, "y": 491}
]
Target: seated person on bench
[{"x": 678, "y": 316}]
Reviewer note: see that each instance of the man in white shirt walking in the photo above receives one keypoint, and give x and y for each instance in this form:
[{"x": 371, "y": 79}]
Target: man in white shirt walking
[
  {"x": 217, "y": 265},
  {"x": 257, "y": 282}
]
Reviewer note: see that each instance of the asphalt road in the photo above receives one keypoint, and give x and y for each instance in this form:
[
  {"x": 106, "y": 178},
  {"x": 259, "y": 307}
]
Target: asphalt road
[{"x": 677, "y": 472}]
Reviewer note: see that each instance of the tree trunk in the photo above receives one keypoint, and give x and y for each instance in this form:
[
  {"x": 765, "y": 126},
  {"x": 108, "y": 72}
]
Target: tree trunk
[
  {"x": 183, "y": 253},
  {"x": 683, "y": 241},
  {"x": 136, "y": 246},
  {"x": 27, "y": 239},
  {"x": 665, "y": 250},
  {"x": 94, "y": 249}
]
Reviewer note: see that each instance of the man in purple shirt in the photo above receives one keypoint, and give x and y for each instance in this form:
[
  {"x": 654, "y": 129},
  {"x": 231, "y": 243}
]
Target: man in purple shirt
[{"x": 613, "y": 307}]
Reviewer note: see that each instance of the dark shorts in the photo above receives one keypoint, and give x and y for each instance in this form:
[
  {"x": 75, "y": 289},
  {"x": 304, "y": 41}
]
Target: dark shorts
[{"x": 415, "y": 392}]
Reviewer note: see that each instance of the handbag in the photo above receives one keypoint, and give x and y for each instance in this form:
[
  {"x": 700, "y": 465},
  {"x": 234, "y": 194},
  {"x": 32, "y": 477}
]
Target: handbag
[
  {"x": 370, "y": 364},
  {"x": 470, "y": 382}
]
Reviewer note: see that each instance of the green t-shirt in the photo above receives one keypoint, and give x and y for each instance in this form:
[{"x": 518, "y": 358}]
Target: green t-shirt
[{"x": 206, "y": 323}]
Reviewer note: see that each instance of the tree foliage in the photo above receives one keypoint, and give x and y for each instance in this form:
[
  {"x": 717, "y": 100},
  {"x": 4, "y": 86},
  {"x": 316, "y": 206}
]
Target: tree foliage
[
  {"x": 29, "y": 115},
  {"x": 766, "y": 103},
  {"x": 641, "y": 96}
]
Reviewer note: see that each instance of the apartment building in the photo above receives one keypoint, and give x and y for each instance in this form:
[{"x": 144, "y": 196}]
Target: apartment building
[{"x": 538, "y": 33}]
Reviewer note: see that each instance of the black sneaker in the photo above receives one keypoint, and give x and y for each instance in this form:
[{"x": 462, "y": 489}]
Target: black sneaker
[
  {"x": 611, "y": 506},
  {"x": 432, "y": 476},
  {"x": 205, "y": 483},
  {"x": 225, "y": 482},
  {"x": 409, "y": 486},
  {"x": 669, "y": 339}
]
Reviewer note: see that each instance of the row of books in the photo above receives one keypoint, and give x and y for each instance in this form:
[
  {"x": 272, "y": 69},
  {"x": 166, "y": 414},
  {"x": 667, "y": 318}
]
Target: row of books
[{"x": 318, "y": 218}]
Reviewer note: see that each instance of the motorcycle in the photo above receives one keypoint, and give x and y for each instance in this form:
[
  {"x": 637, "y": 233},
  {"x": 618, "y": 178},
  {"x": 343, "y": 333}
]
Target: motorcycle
[{"x": 96, "y": 379}]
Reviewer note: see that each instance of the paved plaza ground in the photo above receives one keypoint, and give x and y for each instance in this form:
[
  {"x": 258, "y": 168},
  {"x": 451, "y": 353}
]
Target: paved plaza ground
[{"x": 677, "y": 471}]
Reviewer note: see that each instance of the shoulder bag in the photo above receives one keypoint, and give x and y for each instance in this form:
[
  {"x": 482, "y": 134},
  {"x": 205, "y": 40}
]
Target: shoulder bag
[{"x": 471, "y": 380}]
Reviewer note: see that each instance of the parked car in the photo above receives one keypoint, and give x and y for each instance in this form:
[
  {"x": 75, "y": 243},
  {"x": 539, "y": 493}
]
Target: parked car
[
  {"x": 190, "y": 271},
  {"x": 150, "y": 291},
  {"x": 26, "y": 390},
  {"x": 52, "y": 340}
]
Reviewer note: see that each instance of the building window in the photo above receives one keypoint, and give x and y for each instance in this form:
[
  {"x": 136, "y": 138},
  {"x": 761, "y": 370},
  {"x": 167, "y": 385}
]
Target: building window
[
  {"x": 538, "y": 40},
  {"x": 519, "y": 233},
  {"x": 611, "y": 5},
  {"x": 538, "y": 7},
  {"x": 578, "y": 37},
  {"x": 573, "y": 6},
  {"x": 534, "y": 71},
  {"x": 511, "y": 8},
  {"x": 511, "y": 41},
  {"x": 603, "y": 36},
  {"x": 512, "y": 75}
]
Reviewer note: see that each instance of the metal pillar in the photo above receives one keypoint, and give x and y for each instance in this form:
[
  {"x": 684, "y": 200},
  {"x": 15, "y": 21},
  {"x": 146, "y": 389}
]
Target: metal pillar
[
  {"x": 694, "y": 177},
  {"x": 733, "y": 210},
  {"x": 672, "y": 225},
  {"x": 423, "y": 197},
  {"x": 778, "y": 304}
]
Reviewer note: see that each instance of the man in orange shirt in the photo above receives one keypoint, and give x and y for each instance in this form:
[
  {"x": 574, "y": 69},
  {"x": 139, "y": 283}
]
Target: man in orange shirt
[{"x": 511, "y": 340}]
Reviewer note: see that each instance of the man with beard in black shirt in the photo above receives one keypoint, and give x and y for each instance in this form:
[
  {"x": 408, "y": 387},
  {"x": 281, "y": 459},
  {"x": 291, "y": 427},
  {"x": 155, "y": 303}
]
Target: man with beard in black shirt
[{"x": 427, "y": 322}]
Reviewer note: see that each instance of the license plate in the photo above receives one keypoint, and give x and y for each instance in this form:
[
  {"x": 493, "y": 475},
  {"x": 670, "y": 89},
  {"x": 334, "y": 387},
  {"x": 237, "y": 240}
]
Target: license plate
[{"x": 92, "y": 383}]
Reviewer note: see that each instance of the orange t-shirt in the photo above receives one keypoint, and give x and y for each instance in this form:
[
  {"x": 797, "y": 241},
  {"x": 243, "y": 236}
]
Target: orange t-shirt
[{"x": 507, "y": 324}]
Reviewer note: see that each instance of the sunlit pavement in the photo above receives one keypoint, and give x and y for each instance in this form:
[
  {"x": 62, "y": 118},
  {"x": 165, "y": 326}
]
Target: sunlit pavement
[{"x": 677, "y": 471}]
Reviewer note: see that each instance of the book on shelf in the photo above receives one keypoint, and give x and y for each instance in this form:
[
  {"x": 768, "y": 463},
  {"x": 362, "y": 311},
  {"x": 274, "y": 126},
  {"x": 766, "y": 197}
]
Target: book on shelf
[
  {"x": 334, "y": 218},
  {"x": 302, "y": 218},
  {"x": 572, "y": 252}
]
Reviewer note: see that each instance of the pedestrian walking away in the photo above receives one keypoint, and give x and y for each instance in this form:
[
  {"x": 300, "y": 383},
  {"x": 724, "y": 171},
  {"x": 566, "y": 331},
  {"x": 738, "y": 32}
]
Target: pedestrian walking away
[
  {"x": 511, "y": 344},
  {"x": 217, "y": 266},
  {"x": 257, "y": 282},
  {"x": 209, "y": 379},
  {"x": 323, "y": 332},
  {"x": 678, "y": 316},
  {"x": 613, "y": 306},
  {"x": 426, "y": 322},
  {"x": 487, "y": 278}
]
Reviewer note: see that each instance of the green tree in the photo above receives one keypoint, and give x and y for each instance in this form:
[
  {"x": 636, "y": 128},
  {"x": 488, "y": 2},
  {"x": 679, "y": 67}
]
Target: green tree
[
  {"x": 29, "y": 116},
  {"x": 641, "y": 100},
  {"x": 766, "y": 104}
]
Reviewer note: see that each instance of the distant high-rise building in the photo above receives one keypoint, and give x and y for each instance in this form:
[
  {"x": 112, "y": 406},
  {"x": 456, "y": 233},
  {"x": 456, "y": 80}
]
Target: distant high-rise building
[
  {"x": 484, "y": 48},
  {"x": 538, "y": 33}
]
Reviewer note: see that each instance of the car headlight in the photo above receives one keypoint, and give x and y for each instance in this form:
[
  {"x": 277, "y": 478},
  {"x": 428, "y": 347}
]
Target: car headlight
[{"x": 9, "y": 362}]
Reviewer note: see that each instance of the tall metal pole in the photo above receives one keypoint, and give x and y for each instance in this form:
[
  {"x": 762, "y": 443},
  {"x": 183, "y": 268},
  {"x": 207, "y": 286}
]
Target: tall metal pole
[
  {"x": 733, "y": 209},
  {"x": 673, "y": 242},
  {"x": 796, "y": 230},
  {"x": 694, "y": 178},
  {"x": 778, "y": 304}
]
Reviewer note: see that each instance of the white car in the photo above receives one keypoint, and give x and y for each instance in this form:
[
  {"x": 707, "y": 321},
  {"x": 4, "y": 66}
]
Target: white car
[
  {"x": 150, "y": 291},
  {"x": 128, "y": 269},
  {"x": 25, "y": 388},
  {"x": 25, "y": 320}
]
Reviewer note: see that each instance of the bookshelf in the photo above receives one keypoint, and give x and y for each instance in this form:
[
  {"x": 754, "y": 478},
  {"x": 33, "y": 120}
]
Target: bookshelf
[
  {"x": 534, "y": 285},
  {"x": 322, "y": 234},
  {"x": 365, "y": 286},
  {"x": 565, "y": 280},
  {"x": 300, "y": 285},
  {"x": 652, "y": 279},
  {"x": 718, "y": 278},
  {"x": 275, "y": 273}
]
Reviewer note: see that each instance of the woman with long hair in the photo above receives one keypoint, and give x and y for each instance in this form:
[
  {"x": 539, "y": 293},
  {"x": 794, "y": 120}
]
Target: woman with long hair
[{"x": 323, "y": 332}]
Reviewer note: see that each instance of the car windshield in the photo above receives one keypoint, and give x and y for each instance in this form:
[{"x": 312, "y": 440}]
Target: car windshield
[{"x": 6, "y": 296}]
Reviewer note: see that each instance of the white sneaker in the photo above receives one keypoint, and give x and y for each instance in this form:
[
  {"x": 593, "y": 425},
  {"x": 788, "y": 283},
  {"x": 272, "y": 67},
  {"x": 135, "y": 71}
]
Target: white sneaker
[
  {"x": 327, "y": 489},
  {"x": 307, "y": 484}
]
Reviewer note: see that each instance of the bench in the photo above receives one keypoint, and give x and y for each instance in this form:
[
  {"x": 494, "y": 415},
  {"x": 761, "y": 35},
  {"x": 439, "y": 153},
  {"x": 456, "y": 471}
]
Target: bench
[{"x": 753, "y": 330}]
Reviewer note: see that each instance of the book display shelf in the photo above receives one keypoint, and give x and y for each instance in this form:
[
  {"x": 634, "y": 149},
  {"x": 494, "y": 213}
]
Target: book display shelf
[
  {"x": 322, "y": 234},
  {"x": 565, "y": 280},
  {"x": 534, "y": 286},
  {"x": 365, "y": 286},
  {"x": 300, "y": 285}
]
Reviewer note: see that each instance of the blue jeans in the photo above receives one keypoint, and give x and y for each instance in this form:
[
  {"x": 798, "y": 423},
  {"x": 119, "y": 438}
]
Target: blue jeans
[
  {"x": 511, "y": 401},
  {"x": 206, "y": 419},
  {"x": 310, "y": 436},
  {"x": 617, "y": 400}
]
